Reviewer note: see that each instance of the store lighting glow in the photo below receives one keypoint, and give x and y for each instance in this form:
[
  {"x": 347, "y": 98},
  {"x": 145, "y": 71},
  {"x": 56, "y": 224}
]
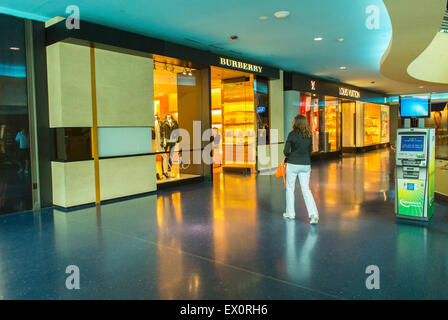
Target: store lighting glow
[
  {"x": 343, "y": 68},
  {"x": 282, "y": 14},
  {"x": 262, "y": 18},
  {"x": 318, "y": 39},
  {"x": 216, "y": 112},
  {"x": 14, "y": 48}
]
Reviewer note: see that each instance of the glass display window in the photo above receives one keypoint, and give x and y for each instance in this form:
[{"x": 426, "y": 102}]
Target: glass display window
[
  {"x": 309, "y": 107},
  {"x": 372, "y": 124},
  {"x": 15, "y": 136},
  {"x": 261, "y": 91},
  {"x": 177, "y": 104},
  {"x": 439, "y": 121},
  {"x": 324, "y": 118},
  {"x": 333, "y": 124},
  {"x": 385, "y": 124}
]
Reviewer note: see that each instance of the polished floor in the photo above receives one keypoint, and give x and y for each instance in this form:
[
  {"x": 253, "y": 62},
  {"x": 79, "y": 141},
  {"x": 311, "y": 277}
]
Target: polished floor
[{"x": 229, "y": 241}]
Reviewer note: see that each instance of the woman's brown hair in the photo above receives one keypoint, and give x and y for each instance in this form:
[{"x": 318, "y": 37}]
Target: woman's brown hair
[{"x": 300, "y": 125}]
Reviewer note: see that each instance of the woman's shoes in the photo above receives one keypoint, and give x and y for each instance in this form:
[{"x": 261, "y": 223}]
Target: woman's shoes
[
  {"x": 314, "y": 219},
  {"x": 288, "y": 217}
]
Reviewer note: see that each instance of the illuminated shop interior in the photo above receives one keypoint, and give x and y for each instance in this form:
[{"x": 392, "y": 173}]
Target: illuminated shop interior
[
  {"x": 233, "y": 116},
  {"x": 324, "y": 118},
  {"x": 175, "y": 82},
  {"x": 342, "y": 123}
]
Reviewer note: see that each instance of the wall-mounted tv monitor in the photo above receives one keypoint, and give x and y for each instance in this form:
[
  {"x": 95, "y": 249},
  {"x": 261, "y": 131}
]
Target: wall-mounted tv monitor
[{"x": 415, "y": 106}]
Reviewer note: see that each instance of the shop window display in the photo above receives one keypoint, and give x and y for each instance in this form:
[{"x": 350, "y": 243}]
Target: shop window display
[
  {"x": 309, "y": 106},
  {"x": 439, "y": 121},
  {"x": 261, "y": 88},
  {"x": 372, "y": 124},
  {"x": 332, "y": 124},
  {"x": 385, "y": 124},
  {"x": 324, "y": 118},
  {"x": 177, "y": 104}
]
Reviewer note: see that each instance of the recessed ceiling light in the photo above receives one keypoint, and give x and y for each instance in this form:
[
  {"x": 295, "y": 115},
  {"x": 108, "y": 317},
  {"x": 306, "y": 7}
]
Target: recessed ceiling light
[
  {"x": 282, "y": 14},
  {"x": 14, "y": 48},
  {"x": 421, "y": 87},
  {"x": 263, "y": 18},
  {"x": 343, "y": 68},
  {"x": 340, "y": 39},
  {"x": 318, "y": 39}
]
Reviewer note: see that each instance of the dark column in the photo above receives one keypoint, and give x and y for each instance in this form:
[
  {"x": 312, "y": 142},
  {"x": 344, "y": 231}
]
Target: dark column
[{"x": 37, "y": 69}]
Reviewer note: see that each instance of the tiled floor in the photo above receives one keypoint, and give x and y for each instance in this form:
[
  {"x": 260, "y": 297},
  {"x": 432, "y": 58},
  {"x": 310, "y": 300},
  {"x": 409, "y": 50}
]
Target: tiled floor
[{"x": 229, "y": 241}]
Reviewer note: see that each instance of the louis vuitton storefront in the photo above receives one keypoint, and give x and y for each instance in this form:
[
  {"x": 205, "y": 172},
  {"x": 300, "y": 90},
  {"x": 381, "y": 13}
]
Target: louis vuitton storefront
[{"x": 343, "y": 118}]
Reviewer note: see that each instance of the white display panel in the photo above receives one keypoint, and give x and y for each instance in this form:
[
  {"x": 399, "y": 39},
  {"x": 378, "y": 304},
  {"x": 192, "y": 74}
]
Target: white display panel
[{"x": 124, "y": 141}]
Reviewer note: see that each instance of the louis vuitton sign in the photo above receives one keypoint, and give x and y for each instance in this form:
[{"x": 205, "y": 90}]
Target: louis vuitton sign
[
  {"x": 349, "y": 93},
  {"x": 240, "y": 65}
]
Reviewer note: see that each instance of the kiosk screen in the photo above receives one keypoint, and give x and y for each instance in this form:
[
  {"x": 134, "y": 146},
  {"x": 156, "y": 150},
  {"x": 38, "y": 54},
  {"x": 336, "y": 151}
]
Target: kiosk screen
[{"x": 412, "y": 143}]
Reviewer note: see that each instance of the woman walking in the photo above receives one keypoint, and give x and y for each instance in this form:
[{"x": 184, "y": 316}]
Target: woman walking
[{"x": 298, "y": 148}]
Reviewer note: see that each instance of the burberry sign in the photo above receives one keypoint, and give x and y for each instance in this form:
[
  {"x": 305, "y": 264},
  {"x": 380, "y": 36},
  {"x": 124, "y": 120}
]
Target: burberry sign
[{"x": 240, "y": 65}]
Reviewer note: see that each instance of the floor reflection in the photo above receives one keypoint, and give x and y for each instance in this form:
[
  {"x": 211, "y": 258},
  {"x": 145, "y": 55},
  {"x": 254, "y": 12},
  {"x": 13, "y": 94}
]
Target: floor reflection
[{"x": 228, "y": 240}]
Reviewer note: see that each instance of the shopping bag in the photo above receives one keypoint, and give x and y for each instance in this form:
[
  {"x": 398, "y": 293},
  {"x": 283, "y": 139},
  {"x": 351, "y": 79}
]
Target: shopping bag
[{"x": 281, "y": 172}]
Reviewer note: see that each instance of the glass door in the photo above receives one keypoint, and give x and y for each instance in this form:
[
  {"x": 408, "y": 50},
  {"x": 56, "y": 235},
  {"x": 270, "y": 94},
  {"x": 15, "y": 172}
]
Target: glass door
[{"x": 15, "y": 167}]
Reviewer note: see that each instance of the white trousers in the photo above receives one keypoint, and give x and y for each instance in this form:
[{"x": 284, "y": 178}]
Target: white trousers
[{"x": 303, "y": 172}]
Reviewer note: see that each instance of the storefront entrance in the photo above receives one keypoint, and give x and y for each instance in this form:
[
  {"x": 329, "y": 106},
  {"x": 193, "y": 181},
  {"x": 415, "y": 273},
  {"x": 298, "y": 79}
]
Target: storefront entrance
[
  {"x": 324, "y": 118},
  {"x": 233, "y": 120}
]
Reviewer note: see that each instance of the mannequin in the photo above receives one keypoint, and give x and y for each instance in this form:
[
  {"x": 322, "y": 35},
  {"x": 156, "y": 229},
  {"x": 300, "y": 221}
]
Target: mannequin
[
  {"x": 169, "y": 140},
  {"x": 157, "y": 143}
]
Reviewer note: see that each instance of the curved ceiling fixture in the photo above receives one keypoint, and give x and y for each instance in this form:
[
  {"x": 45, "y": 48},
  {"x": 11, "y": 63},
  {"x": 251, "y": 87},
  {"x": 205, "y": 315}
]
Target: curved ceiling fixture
[
  {"x": 415, "y": 24},
  {"x": 432, "y": 64}
]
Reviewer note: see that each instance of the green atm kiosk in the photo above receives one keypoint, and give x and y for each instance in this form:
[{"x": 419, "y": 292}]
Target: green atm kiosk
[{"x": 415, "y": 164}]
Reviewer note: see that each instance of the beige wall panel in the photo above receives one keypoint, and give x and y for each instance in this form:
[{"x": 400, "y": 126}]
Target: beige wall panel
[
  {"x": 276, "y": 106},
  {"x": 120, "y": 177},
  {"x": 441, "y": 178},
  {"x": 275, "y": 152},
  {"x": 263, "y": 161},
  {"x": 125, "y": 89},
  {"x": 73, "y": 183},
  {"x": 280, "y": 156},
  {"x": 58, "y": 183},
  {"x": 69, "y": 85}
]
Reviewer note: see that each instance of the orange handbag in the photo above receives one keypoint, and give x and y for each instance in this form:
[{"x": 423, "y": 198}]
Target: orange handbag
[{"x": 281, "y": 172}]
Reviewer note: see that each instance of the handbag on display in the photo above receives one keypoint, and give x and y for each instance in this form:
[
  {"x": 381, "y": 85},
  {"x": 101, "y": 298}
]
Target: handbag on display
[{"x": 281, "y": 172}]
